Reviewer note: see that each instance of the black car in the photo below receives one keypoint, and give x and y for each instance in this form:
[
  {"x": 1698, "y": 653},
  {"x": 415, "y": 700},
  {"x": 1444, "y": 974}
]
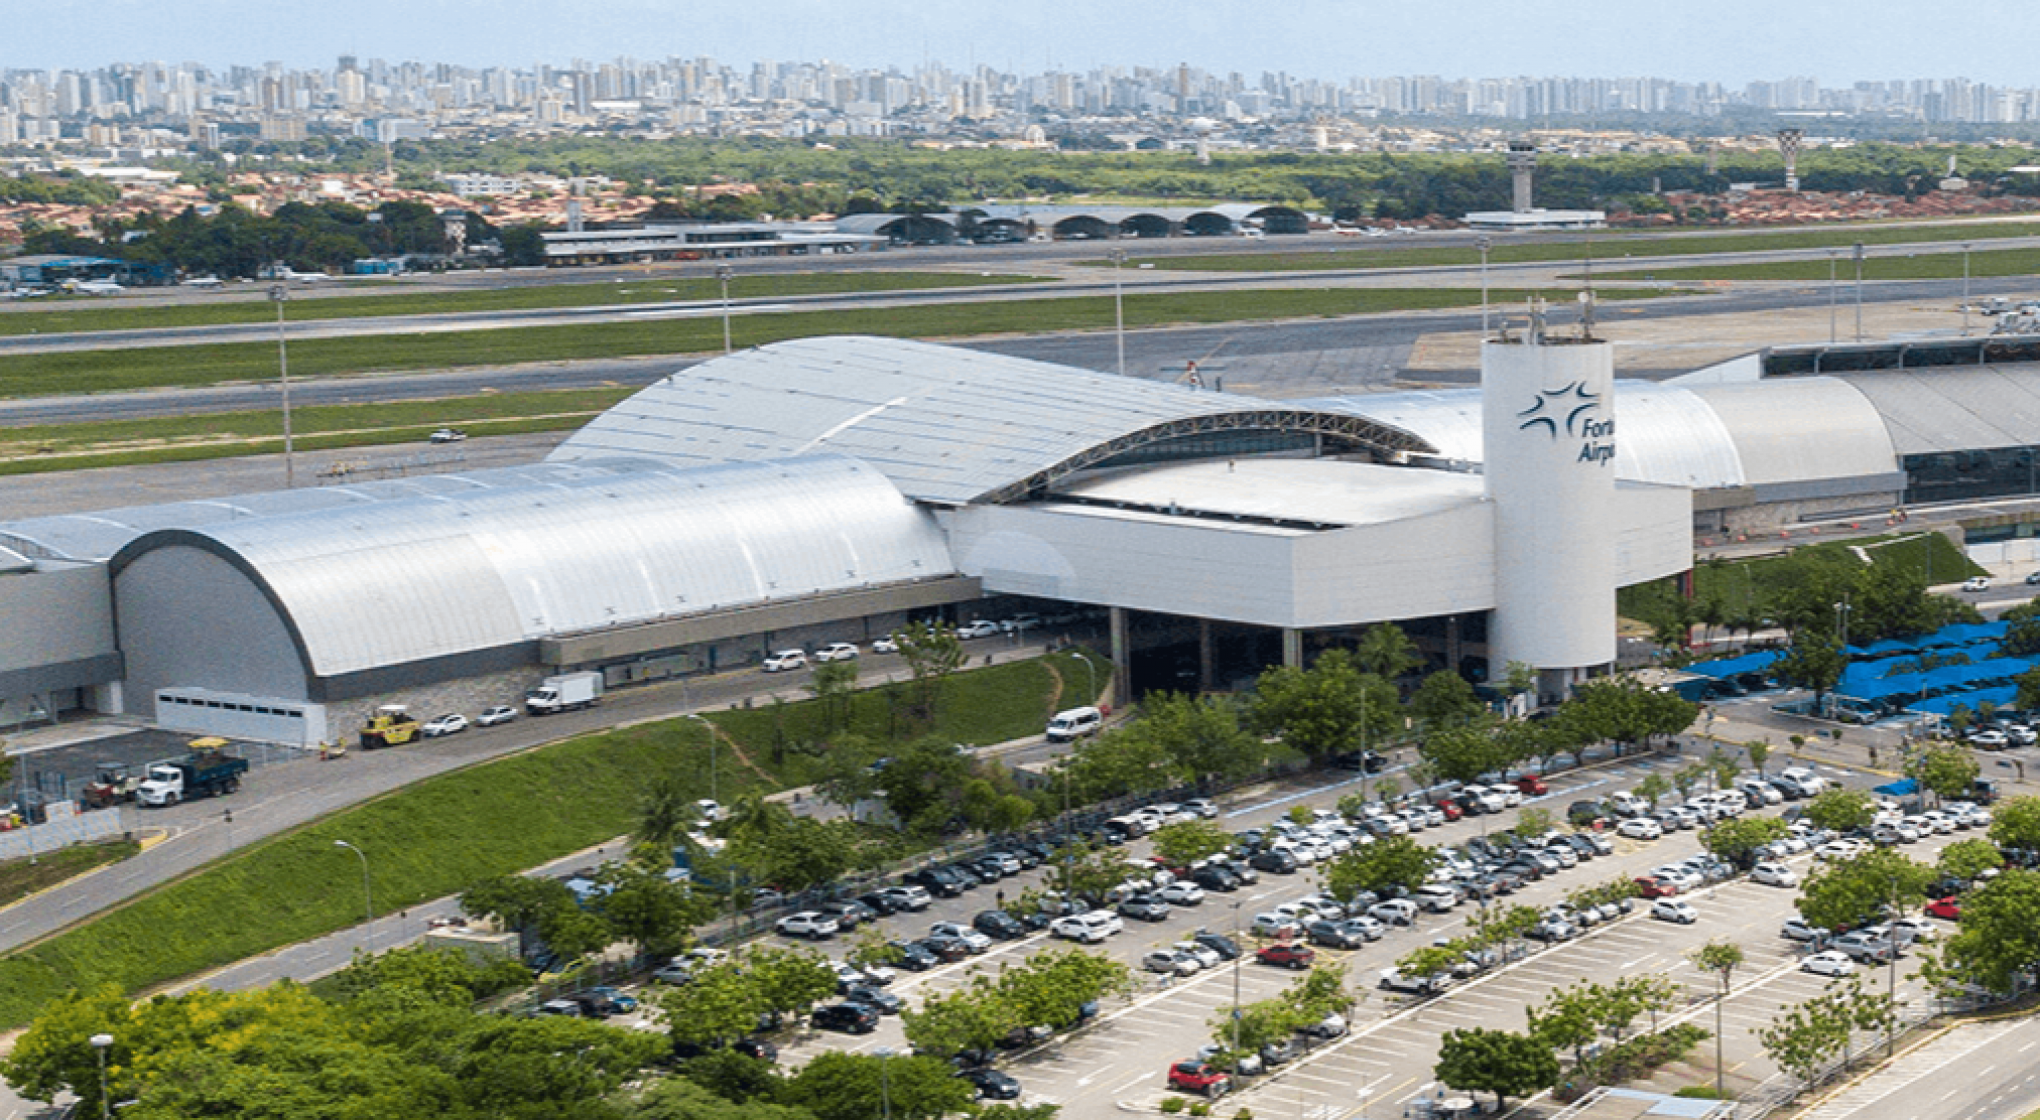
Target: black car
[
  {"x": 878, "y": 999},
  {"x": 1144, "y": 908},
  {"x": 1364, "y": 761},
  {"x": 850, "y": 1018},
  {"x": 913, "y": 956},
  {"x": 968, "y": 875},
  {"x": 989, "y": 868},
  {"x": 1215, "y": 879},
  {"x": 1584, "y": 812},
  {"x": 991, "y": 1085},
  {"x": 1281, "y": 863},
  {"x": 1226, "y": 948},
  {"x": 1334, "y": 935},
  {"x": 759, "y": 1048},
  {"x": 947, "y": 949},
  {"x": 999, "y": 924},
  {"x": 879, "y": 904},
  {"x": 938, "y": 881}
]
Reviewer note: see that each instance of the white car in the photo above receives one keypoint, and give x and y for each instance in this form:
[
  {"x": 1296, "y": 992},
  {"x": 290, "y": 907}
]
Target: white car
[
  {"x": 1796, "y": 929},
  {"x": 1908, "y": 930},
  {"x": 1276, "y": 925},
  {"x": 1181, "y": 893},
  {"x": 1839, "y": 850},
  {"x": 978, "y": 942},
  {"x": 1976, "y": 583},
  {"x": 1090, "y": 928},
  {"x": 498, "y": 714},
  {"x": 1774, "y": 874},
  {"x": 887, "y": 644},
  {"x": 1828, "y": 962},
  {"x": 1394, "y": 911},
  {"x": 1171, "y": 961},
  {"x": 448, "y": 435},
  {"x": 1990, "y": 740},
  {"x": 1672, "y": 910},
  {"x": 1205, "y": 954},
  {"x": 1202, "y": 807},
  {"x": 451, "y": 724},
  {"x": 977, "y": 629},
  {"x": 1640, "y": 828},
  {"x": 836, "y": 651},
  {"x": 786, "y": 660},
  {"x": 811, "y": 924}
]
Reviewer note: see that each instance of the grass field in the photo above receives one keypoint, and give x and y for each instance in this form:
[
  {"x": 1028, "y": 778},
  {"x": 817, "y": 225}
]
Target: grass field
[
  {"x": 1605, "y": 248},
  {"x": 57, "y": 447},
  {"x": 435, "y": 837},
  {"x": 183, "y": 366},
  {"x": 1746, "y": 587},
  {"x": 94, "y": 314},
  {"x": 21, "y": 878},
  {"x": 1936, "y": 265}
]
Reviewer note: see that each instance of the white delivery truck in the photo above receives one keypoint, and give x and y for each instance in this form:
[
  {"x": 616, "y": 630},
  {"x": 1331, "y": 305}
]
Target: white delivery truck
[{"x": 564, "y": 693}]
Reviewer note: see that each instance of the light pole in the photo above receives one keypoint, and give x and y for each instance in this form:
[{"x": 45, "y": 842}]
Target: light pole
[
  {"x": 1238, "y": 955},
  {"x": 714, "y": 784},
  {"x": 884, "y": 1082},
  {"x": 1859, "y": 291},
  {"x": 367, "y": 899},
  {"x": 1090, "y": 677},
  {"x": 100, "y": 1042},
  {"x": 723, "y": 274},
  {"x": 1833, "y": 292},
  {"x": 1483, "y": 243},
  {"x": 1118, "y": 257},
  {"x": 277, "y": 295},
  {"x": 1965, "y": 289}
]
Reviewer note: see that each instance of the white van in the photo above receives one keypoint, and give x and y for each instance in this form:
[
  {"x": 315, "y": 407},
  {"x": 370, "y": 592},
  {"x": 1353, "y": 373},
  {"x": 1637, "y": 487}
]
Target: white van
[{"x": 1075, "y": 724}]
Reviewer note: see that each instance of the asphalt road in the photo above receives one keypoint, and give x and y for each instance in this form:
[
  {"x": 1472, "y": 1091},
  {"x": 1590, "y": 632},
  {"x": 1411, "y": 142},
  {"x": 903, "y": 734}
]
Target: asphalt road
[{"x": 1979, "y": 1071}]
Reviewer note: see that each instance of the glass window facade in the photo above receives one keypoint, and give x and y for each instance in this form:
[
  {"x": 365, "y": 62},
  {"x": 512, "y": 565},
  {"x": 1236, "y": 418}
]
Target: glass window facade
[{"x": 1954, "y": 476}]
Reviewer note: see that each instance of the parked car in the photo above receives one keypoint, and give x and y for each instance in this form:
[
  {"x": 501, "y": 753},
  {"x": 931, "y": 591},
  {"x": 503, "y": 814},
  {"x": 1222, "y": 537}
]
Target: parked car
[
  {"x": 450, "y": 724},
  {"x": 1219, "y": 943},
  {"x": 1334, "y": 935},
  {"x": 1863, "y": 945},
  {"x": 1640, "y": 828},
  {"x": 1774, "y": 875},
  {"x": 1947, "y": 909},
  {"x": 999, "y": 924},
  {"x": 978, "y": 942},
  {"x": 1143, "y": 908},
  {"x": 1828, "y": 962},
  {"x": 1976, "y": 583},
  {"x": 1796, "y": 929},
  {"x": 1672, "y": 910},
  {"x": 786, "y": 660},
  {"x": 811, "y": 924},
  {"x": 991, "y": 1084},
  {"x": 1171, "y": 961},
  {"x": 501, "y": 713},
  {"x": 1199, "y": 1077},
  {"x": 850, "y": 1018},
  {"x": 1090, "y": 928},
  {"x": 1287, "y": 955}
]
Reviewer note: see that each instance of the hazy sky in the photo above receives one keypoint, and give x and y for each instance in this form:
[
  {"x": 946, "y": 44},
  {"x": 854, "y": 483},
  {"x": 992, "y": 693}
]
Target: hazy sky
[{"x": 1731, "y": 41}]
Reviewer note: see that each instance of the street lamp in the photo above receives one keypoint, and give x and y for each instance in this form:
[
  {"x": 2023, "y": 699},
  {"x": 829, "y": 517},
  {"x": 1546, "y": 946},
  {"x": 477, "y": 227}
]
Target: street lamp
[
  {"x": 277, "y": 295},
  {"x": 1833, "y": 291},
  {"x": 1859, "y": 291},
  {"x": 1965, "y": 289},
  {"x": 1239, "y": 939},
  {"x": 1090, "y": 676},
  {"x": 367, "y": 899},
  {"x": 714, "y": 787},
  {"x": 885, "y": 1054},
  {"x": 100, "y": 1042},
  {"x": 723, "y": 274},
  {"x": 1118, "y": 257},
  {"x": 1483, "y": 243}
]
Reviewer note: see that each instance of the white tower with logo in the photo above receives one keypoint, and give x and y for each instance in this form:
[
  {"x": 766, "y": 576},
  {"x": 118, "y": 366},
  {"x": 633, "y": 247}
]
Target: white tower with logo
[{"x": 1548, "y": 416}]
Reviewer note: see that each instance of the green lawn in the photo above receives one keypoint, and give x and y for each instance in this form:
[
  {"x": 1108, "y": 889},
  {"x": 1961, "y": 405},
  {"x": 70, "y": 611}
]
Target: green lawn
[
  {"x": 180, "y": 366},
  {"x": 436, "y": 836},
  {"x": 1746, "y": 587},
  {"x": 54, "y": 447},
  {"x": 21, "y": 878},
  {"x": 1607, "y": 248},
  {"x": 95, "y": 314},
  {"x": 1936, "y": 265}
]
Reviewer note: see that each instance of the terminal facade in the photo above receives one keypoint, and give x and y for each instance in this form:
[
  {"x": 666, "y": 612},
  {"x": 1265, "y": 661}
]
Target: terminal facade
[{"x": 831, "y": 489}]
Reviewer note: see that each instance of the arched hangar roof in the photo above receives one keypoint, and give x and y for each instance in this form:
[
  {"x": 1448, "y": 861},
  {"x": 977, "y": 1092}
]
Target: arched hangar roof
[
  {"x": 947, "y": 425},
  {"x": 397, "y": 582}
]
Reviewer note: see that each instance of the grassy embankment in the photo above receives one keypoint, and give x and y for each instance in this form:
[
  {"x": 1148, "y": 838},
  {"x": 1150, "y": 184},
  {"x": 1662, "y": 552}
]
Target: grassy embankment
[
  {"x": 1745, "y": 588},
  {"x": 23, "y": 877},
  {"x": 1936, "y": 265},
  {"x": 1606, "y": 248},
  {"x": 434, "y": 837}
]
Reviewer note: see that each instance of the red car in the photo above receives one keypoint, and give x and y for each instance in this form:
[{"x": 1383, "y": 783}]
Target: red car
[
  {"x": 1655, "y": 888},
  {"x": 1199, "y": 1077},
  {"x": 1532, "y": 784},
  {"x": 1948, "y": 909},
  {"x": 1287, "y": 955},
  {"x": 1452, "y": 812}
]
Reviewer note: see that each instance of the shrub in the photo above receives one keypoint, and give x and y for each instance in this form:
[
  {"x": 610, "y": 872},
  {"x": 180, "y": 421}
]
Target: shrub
[
  {"x": 1200, "y": 1108},
  {"x": 1172, "y": 1105}
]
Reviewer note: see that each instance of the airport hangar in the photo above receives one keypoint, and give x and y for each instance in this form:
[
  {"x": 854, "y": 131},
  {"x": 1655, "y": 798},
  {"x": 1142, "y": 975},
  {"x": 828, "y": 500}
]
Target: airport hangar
[{"x": 830, "y": 488}]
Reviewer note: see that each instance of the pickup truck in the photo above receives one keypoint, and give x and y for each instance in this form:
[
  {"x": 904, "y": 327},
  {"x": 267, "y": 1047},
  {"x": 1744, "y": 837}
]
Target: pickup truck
[{"x": 202, "y": 773}]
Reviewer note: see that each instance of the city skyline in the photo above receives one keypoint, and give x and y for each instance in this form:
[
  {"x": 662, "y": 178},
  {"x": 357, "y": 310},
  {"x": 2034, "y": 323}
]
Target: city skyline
[{"x": 1731, "y": 41}]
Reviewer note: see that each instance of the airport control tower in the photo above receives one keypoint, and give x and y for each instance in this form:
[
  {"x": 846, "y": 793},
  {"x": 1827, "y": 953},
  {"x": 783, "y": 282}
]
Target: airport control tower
[{"x": 1522, "y": 159}]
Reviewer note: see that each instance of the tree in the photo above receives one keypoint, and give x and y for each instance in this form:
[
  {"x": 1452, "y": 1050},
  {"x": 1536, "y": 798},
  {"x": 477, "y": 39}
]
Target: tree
[
  {"x": 1813, "y": 662},
  {"x": 1501, "y": 1062},
  {"x": 720, "y": 1004},
  {"x": 1999, "y": 939},
  {"x": 973, "y": 1017},
  {"x": 1052, "y": 987},
  {"x": 1464, "y": 753},
  {"x": 1202, "y": 737},
  {"x": 1947, "y": 772},
  {"x": 1759, "y": 751},
  {"x": 1721, "y": 958},
  {"x": 443, "y": 976},
  {"x": 1444, "y": 699},
  {"x": 2015, "y": 823},
  {"x": 1386, "y": 652},
  {"x": 1532, "y": 820},
  {"x": 1861, "y": 890},
  {"x": 1652, "y": 787},
  {"x": 1393, "y": 861},
  {"x": 1803, "y": 1037},
  {"x": 1257, "y": 1024},
  {"x": 1329, "y": 709},
  {"x": 1738, "y": 838},
  {"x": 1968, "y": 859},
  {"x": 681, "y": 1098},
  {"x": 649, "y": 910},
  {"x": 789, "y": 981},
  {"x": 833, "y": 685},
  {"x": 835, "y": 1085},
  {"x": 667, "y": 813},
  {"x": 1841, "y": 810},
  {"x": 933, "y": 653},
  {"x": 1186, "y": 842}
]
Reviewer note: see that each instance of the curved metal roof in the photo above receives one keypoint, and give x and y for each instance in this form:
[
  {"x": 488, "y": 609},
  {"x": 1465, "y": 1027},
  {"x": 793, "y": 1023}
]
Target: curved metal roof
[
  {"x": 1796, "y": 429},
  {"x": 395, "y": 582},
  {"x": 1955, "y": 408},
  {"x": 1668, "y": 435},
  {"x": 947, "y": 425}
]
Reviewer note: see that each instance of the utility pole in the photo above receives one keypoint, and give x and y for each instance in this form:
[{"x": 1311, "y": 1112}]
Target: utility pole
[{"x": 277, "y": 295}]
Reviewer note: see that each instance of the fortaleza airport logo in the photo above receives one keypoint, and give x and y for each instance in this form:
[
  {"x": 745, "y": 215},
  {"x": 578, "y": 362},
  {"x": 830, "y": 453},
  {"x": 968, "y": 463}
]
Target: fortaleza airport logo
[{"x": 1570, "y": 411}]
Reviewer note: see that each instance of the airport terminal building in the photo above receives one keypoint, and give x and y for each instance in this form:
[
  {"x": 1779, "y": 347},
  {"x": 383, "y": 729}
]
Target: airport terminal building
[{"x": 829, "y": 489}]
